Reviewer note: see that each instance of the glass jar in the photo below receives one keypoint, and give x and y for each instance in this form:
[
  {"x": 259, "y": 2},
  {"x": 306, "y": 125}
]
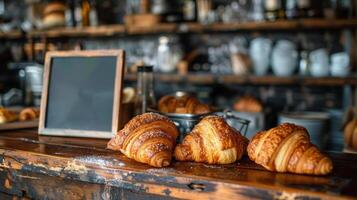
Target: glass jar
[
  {"x": 145, "y": 97},
  {"x": 169, "y": 53}
]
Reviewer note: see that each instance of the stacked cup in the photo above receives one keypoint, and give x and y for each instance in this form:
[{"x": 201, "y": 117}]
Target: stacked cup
[{"x": 340, "y": 64}]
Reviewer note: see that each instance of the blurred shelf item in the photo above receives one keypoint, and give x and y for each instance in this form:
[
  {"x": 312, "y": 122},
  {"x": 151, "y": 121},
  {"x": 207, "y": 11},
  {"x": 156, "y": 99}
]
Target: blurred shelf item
[
  {"x": 111, "y": 30},
  {"x": 90, "y": 31},
  {"x": 176, "y": 78},
  {"x": 273, "y": 25},
  {"x": 159, "y": 28},
  {"x": 15, "y": 34},
  {"x": 331, "y": 81},
  {"x": 258, "y": 80},
  {"x": 250, "y": 80}
]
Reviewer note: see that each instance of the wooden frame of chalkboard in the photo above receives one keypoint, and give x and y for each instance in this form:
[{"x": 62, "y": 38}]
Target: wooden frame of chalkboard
[{"x": 119, "y": 71}]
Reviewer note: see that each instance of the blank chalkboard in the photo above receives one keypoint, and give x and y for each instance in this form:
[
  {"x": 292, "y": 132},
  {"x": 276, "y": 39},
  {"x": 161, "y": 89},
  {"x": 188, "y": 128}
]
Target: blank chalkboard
[{"x": 81, "y": 95}]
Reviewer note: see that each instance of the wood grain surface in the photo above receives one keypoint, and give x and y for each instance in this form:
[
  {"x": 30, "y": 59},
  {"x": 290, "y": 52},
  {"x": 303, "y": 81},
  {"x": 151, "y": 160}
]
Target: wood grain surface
[
  {"x": 43, "y": 167},
  {"x": 19, "y": 125}
]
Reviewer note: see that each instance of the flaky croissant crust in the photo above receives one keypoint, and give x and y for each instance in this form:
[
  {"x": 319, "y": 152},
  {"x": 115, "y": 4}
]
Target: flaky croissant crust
[
  {"x": 29, "y": 114},
  {"x": 212, "y": 141},
  {"x": 183, "y": 105},
  {"x": 7, "y": 115},
  {"x": 148, "y": 138},
  {"x": 287, "y": 148}
]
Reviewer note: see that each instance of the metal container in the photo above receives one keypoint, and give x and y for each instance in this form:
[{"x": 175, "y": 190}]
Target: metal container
[
  {"x": 256, "y": 119},
  {"x": 317, "y": 124},
  {"x": 186, "y": 122}
]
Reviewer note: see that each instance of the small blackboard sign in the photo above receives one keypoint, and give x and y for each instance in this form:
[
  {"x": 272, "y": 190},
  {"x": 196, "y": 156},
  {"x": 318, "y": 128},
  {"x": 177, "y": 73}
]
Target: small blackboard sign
[{"x": 81, "y": 94}]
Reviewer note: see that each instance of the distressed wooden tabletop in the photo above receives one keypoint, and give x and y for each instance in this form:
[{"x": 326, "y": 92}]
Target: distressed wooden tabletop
[{"x": 42, "y": 167}]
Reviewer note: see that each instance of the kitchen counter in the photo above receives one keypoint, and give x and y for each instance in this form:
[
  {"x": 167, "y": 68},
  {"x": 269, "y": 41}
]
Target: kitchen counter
[{"x": 42, "y": 167}]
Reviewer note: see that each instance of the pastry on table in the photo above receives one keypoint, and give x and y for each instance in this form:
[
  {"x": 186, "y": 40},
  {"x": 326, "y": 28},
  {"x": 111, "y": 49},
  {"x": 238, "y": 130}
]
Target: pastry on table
[
  {"x": 184, "y": 104},
  {"x": 287, "y": 148},
  {"x": 350, "y": 134},
  {"x": 212, "y": 141},
  {"x": 29, "y": 114},
  {"x": 148, "y": 138},
  {"x": 248, "y": 104},
  {"x": 7, "y": 116}
]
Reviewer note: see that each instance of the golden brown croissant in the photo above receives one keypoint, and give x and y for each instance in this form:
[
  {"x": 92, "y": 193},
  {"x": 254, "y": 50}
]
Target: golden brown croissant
[
  {"x": 248, "y": 104},
  {"x": 29, "y": 114},
  {"x": 350, "y": 132},
  {"x": 212, "y": 141},
  {"x": 184, "y": 104},
  {"x": 148, "y": 138},
  {"x": 287, "y": 148},
  {"x": 7, "y": 116}
]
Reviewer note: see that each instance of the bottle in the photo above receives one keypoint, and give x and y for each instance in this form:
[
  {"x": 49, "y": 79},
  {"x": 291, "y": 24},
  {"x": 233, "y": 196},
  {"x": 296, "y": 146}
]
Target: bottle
[
  {"x": 257, "y": 10},
  {"x": 165, "y": 56},
  {"x": 291, "y": 9},
  {"x": 69, "y": 14},
  {"x": 145, "y": 97},
  {"x": 85, "y": 12},
  {"x": 304, "y": 63},
  {"x": 78, "y": 13},
  {"x": 93, "y": 14},
  {"x": 272, "y": 9},
  {"x": 189, "y": 10}
]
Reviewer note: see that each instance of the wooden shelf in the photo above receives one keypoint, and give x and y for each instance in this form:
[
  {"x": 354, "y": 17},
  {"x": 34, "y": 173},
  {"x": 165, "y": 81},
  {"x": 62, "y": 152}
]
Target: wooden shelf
[
  {"x": 111, "y": 30},
  {"x": 11, "y": 35},
  {"x": 160, "y": 28},
  {"x": 101, "y": 31},
  {"x": 175, "y": 78},
  {"x": 250, "y": 80}
]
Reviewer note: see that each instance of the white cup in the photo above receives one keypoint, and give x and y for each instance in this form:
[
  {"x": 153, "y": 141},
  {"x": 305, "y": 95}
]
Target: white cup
[{"x": 319, "y": 63}]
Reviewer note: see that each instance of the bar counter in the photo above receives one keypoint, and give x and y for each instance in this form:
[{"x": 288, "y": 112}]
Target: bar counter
[{"x": 40, "y": 167}]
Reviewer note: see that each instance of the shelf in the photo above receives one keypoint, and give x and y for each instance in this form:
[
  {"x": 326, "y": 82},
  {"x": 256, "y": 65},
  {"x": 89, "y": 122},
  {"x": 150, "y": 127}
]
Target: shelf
[
  {"x": 250, "y": 80},
  {"x": 101, "y": 31},
  {"x": 11, "y": 35},
  {"x": 111, "y": 30},
  {"x": 276, "y": 25},
  {"x": 175, "y": 78},
  {"x": 160, "y": 28}
]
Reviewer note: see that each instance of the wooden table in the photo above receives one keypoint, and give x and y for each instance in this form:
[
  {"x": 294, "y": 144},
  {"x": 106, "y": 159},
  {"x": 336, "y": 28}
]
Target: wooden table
[{"x": 38, "y": 167}]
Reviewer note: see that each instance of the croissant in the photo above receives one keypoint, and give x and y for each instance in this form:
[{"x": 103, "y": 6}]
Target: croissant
[
  {"x": 287, "y": 148},
  {"x": 212, "y": 141},
  {"x": 248, "y": 104},
  {"x": 184, "y": 104},
  {"x": 7, "y": 116},
  {"x": 148, "y": 138},
  {"x": 29, "y": 114},
  {"x": 350, "y": 134}
]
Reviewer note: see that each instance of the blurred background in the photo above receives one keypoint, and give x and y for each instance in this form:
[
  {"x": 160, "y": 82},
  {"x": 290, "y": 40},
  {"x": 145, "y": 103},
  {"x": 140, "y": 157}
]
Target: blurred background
[{"x": 296, "y": 58}]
